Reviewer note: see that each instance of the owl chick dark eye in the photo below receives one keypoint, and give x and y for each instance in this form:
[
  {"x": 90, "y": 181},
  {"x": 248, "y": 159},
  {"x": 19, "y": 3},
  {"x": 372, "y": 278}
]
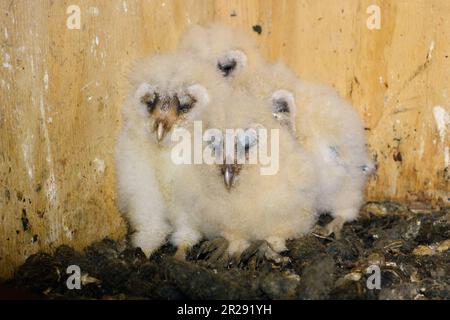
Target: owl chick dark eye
[
  {"x": 150, "y": 99},
  {"x": 226, "y": 67},
  {"x": 281, "y": 106},
  {"x": 214, "y": 143},
  {"x": 185, "y": 104},
  {"x": 247, "y": 144},
  {"x": 248, "y": 139}
]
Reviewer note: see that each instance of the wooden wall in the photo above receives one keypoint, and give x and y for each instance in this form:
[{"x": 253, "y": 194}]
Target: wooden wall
[{"x": 61, "y": 89}]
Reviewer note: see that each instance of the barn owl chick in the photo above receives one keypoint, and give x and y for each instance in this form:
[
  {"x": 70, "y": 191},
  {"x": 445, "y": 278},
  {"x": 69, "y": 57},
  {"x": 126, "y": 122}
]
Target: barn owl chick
[
  {"x": 331, "y": 130},
  {"x": 239, "y": 197},
  {"x": 323, "y": 122},
  {"x": 167, "y": 92}
]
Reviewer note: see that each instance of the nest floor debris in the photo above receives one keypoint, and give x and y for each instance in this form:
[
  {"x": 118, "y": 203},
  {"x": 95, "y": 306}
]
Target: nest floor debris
[{"x": 410, "y": 249}]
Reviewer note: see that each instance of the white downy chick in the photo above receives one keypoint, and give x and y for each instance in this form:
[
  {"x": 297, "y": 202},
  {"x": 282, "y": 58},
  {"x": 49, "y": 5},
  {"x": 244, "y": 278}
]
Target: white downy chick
[
  {"x": 270, "y": 199},
  {"x": 328, "y": 127},
  {"x": 165, "y": 93},
  {"x": 323, "y": 122}
]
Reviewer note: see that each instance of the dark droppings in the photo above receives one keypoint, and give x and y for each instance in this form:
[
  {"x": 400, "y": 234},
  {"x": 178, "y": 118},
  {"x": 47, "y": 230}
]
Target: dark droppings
[
  {"x": 257, "y": 28},
  {"x": 411, "y": 250},
  {"x": 24, "y": 219},
  {"x": 7, "y": 195}
]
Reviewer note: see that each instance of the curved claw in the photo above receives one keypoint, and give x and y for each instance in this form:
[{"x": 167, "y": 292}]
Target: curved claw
[
  {"x": 334, "y": 227},
  {"x": 262, "y": 250},
  {"x": 214, "y": 252}
]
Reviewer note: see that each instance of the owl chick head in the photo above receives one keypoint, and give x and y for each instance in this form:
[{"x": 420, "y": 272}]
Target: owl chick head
[
  {"x": 228, "y": 50},
  {"x": 236, "y": 57},
  {"x": 234, "y": 149},
  {"x": 166, "y": 108},
  {"x": 172, "y": 89},
  {"x": 249, "y": 141}
]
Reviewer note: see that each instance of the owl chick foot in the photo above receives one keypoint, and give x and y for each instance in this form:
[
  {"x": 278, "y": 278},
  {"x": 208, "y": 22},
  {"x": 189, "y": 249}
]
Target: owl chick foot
[
  {"x": 334, "y": 227},
  {"x": 261, "y": 250},
  {"x": 214, "y": 252}
]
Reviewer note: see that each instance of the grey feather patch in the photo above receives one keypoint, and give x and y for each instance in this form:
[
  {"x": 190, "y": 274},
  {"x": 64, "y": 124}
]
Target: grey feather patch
[{"x": 334, "y": 151}]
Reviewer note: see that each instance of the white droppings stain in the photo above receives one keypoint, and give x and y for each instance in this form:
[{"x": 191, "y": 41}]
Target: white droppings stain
[
  {"x": 26, "y": 153},
  {"x": 50, "y": 120},
  {"x": 163, "y": 4},
  {"x": 124, "y": 6},
  {"x": 6, "y": 34},
  {"x": 51, "y": 187},
  {"x": 381, "y": 80},
  {"x": 94, "y": 45},
  {"x": 442, "y": 119},
  {"x": 6, "y": 61},
  {"x": 430, "y": 51},
  {"x": 51, "y": 181},
  {"x": 54, "y": 223},
  {"x": 46, "y": 80},
  {"x": 89, "y": 99},
  {"x": 99, "y": 165}
]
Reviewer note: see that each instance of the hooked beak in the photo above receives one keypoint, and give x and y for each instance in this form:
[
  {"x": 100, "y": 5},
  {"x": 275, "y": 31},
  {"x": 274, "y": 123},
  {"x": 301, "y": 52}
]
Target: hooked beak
[
  {"x": 160, "y": 132},
  {"x": 228, "y": 177}
]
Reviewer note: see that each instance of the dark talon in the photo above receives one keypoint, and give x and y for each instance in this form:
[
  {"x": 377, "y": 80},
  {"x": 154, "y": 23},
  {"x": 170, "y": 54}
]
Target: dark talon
[
  {"x": 262, "y": 250},
  {"x": 214, "y": 252},
  {"x": 334, "y": 227},
  {"x": 251, "y": 251}
]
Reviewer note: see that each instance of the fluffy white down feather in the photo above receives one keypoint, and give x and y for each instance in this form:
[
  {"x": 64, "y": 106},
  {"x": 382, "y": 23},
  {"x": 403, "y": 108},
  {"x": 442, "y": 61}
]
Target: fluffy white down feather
[
  {"x": 323, "y": 122},
  {"x": 143, "y": 165},
  {"x": 258, "y": 207}
]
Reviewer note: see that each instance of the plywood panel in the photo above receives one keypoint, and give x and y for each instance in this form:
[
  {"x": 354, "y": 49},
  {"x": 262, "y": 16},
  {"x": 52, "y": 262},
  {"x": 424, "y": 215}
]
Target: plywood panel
[{"x": 61, "y": 92}]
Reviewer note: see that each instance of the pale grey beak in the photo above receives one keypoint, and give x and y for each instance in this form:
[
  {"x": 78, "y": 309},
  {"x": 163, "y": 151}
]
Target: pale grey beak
[
  {"x": 160, "y": 132},
  {"x": 228, "y": 177}
]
